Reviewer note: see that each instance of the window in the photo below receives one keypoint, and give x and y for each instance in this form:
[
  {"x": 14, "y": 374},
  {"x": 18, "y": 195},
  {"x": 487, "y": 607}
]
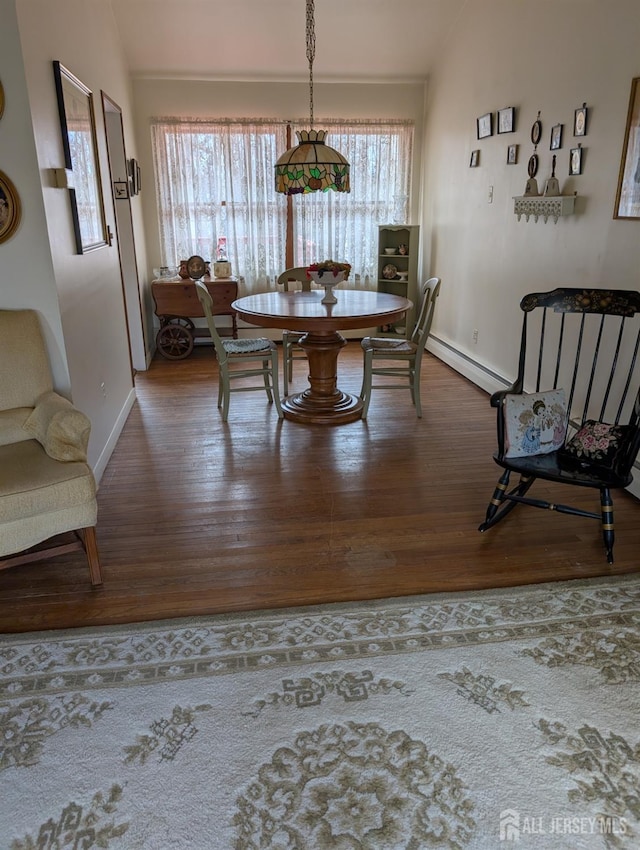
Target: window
[{"x": 216, "y": 178}]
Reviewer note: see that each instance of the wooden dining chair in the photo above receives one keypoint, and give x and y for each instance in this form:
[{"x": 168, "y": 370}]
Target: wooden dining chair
[
  {"x": 236, "y": 351},
  {"x": 572, "y": 415},
  {"x": 393, "y": 351},
  {"x": 291, "y": 339}
]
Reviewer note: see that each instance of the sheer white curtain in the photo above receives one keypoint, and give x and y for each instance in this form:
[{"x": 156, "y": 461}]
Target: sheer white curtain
[
  {"x": 344, "y": 227},
  {"x": 216, "y": 178}
]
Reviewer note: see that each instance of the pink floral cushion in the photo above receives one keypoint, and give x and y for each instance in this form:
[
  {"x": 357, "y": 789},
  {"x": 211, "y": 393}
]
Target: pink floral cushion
[{"x": 597, "y": 444}]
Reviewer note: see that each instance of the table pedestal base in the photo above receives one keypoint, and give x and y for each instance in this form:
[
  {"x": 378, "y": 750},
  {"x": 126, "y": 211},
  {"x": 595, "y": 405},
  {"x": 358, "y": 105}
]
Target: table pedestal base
[{"x": 322, "y": 403}]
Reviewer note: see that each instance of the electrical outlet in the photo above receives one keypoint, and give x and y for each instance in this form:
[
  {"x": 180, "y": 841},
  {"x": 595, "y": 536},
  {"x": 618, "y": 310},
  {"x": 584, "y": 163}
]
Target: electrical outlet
[
  {"x": 490, "y": 198},
  {"x": 104, "y": 389},
  {"x": 475, "y": 335}
]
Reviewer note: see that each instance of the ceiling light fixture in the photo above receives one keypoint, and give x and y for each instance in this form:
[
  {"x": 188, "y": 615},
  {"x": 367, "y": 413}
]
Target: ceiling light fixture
[{"x": 311, "y": 166}]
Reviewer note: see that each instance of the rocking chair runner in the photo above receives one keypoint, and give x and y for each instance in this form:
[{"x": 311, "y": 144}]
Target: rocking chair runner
[{"x": 585, "y": 342}]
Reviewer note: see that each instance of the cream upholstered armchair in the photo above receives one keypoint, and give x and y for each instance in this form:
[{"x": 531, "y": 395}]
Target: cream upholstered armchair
[{"x": 46, "y": 486}]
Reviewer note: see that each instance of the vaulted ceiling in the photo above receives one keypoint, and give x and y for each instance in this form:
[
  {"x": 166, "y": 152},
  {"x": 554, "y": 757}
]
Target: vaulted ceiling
[{"x": 356, "y": 40}]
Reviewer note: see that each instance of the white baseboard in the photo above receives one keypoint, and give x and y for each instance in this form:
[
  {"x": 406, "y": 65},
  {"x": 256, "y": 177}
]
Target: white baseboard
[
  {"x": 478, "y": 374},
  {"x": 491, "y": 382},
  {"x": 105, "y": 454}
]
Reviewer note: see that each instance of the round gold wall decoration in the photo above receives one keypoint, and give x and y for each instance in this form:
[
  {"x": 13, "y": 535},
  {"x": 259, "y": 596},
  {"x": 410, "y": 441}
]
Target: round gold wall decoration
[{"x": 10, "y": 211}]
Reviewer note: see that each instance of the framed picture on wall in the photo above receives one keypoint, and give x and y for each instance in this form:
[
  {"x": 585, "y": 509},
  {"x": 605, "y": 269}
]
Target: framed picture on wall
[
  {"x": 506, "y": 122},
  {"x": 475, "y": 159},
  {"x": 512, "y": 155},
  {"x": 77, "y": 124},
  {"x": 580, "y": 121},
  {"x": 556, "y": 137},
  {"x": 134, "y": 177},
  {"x": 575, "y": 161},
  {"x": 628, "y": 193},
  {"x": 484, "y": 125}
]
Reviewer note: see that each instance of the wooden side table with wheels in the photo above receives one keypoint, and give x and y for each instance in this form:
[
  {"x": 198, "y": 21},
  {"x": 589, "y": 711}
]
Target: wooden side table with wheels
[{"x": 177, "y": 304}]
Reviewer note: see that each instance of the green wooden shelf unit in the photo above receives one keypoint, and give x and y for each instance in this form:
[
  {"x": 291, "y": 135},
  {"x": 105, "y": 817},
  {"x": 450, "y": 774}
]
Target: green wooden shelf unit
[{"x": 398, "y": 246}]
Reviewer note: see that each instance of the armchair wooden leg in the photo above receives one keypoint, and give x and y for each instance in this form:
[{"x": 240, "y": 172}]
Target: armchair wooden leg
[
  {"x": 91, "y": 551},
  {"x": 608, "y": 535}
]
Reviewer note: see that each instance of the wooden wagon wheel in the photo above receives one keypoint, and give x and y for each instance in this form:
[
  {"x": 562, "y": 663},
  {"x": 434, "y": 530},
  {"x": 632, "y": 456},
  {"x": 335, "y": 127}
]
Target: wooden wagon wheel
[{"x": 174, "y": 341}]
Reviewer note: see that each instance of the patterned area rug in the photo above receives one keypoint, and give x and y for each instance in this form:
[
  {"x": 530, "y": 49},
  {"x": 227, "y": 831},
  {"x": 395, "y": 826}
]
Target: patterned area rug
[{"x": 471, "y": 720}]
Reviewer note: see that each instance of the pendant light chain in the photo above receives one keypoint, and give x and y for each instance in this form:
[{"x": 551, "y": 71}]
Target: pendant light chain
[
  {"x": 311, "y": 54},
  {"x": 312, "y": 165}
]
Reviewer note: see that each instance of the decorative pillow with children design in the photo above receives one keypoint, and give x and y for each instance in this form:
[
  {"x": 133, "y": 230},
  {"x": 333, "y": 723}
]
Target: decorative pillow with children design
[{"x": 534, "y": 423}]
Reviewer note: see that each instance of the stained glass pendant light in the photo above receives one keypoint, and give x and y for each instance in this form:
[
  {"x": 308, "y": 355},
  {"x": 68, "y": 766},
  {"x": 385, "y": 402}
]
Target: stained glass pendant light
[{"x": 311, "y": 166}]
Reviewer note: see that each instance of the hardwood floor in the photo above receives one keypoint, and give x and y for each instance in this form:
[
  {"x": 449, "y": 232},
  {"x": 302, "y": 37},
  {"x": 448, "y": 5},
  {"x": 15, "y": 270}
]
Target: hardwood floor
[{"x": 198, "y": 517}]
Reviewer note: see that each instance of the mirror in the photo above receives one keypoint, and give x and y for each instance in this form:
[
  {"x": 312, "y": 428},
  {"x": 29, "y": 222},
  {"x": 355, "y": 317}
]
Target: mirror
[{"x": 75, "y": 105}]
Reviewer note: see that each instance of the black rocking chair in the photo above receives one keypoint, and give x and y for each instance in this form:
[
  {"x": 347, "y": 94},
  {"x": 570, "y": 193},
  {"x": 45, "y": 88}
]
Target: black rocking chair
[{"x": 585, "y": 341}]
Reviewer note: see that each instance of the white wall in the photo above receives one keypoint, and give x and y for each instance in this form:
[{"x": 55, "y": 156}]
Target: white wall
[
  {"x": 26, "y": 270},
  {"x": 89, "y": 317},
  {"x": 545, "y": 56}
]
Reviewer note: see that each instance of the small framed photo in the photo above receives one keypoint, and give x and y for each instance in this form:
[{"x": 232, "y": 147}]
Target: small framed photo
[
  {"x": 475, "y": 159},
  {"x": 134, "y": 177},
  {"x": 512, "y": 155},
  {"x": 485, "y": 125},
  {"x": 506, "y": 123},
  {"x": 575, "y": 161},
  {"x": 556, "y": 137},
  {"x": 580, "y": 121},
  {"x": 120, "y": 189}
]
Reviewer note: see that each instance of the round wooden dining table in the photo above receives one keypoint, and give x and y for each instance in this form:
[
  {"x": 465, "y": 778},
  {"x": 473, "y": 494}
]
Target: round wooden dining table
[{"x": 322, "y": 403}]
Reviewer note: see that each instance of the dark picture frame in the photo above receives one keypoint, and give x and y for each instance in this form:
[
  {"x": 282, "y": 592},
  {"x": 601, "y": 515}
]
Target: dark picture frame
[
  {"x": 474, "y": 159},
  {"x": 1, "y": 99},
  {"x": 512, "y": 155},
  {"x": 536, "y": 131},
  {"x": 580, "y": 121},
  {"x": 628, "y": 192},
  {"x": 134, "y": 176},
  {"x": 79, "y": 141},
  {"x": 555, "y": 141},
  {"x": 506, "y": 120},
  {"x": 484, "y": 125},
  {"x": 10, "y": 208},
  {"x": 575, "y": 161}
]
